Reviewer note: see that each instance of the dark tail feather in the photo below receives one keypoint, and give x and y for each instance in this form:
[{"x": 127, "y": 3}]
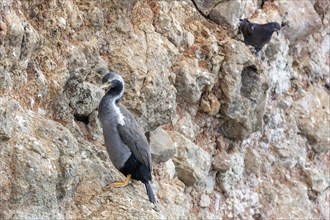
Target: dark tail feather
[{"x": 150, "y": 192}]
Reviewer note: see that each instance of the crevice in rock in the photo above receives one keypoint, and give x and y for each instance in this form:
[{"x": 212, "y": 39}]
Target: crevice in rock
[
  {"x": 249, "y": 78},
  {"x": 82, "y": 118},
  {"x": 199, "y": 11},
  {"x": 261, "y": 4}
]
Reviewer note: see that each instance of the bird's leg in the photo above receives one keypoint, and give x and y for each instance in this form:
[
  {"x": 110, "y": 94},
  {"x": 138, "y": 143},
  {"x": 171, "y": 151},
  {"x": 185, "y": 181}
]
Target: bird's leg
[{"x": 119, "y": 183}]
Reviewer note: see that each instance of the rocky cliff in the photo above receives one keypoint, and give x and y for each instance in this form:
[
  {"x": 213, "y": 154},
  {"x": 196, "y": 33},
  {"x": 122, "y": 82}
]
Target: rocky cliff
[{"x": 231, "y": 135}]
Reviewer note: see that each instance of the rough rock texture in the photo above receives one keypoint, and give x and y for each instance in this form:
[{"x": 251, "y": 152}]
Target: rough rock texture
[
  {"x": 313, "y": 118},
  {"x": 6, "y": 119},
  {"x": 300, "y": 23},
  {"x": 192, "y": 163},
  {"x": 232, "y": 136},
  {"x": 244, "y": 86},
  {"x": 226, "y": 13},
  {"x": 162, "y": 147}
]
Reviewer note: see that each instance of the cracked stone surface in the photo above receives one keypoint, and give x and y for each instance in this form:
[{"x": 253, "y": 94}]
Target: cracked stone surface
[{"x": 233, "y": 136}]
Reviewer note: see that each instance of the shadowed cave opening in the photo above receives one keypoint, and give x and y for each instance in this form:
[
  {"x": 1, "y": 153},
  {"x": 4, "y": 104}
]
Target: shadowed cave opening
[
  {"x": 249, "y": 79},
  {"x": 82, "y": 118}
]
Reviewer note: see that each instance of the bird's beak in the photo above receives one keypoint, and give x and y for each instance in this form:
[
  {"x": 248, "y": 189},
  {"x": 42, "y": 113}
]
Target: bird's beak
[{"x": 104, "y": 86}]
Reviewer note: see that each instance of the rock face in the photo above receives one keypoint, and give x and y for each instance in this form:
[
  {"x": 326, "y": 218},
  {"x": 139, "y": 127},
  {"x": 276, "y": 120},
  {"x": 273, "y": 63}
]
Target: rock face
[
  {"x": 312, "y": 114},
  {"x": 192, "y": 163},
  {"x": 232, "y": 136},
  {"x": 300, "y": 23},
  {"x": 226, "y": 13},
  {"x": 162, "y": 147},
  {"x": 244, "y": 86},
  {"x": 45, "y": 157},
  {"x": 6, "y": 119}
]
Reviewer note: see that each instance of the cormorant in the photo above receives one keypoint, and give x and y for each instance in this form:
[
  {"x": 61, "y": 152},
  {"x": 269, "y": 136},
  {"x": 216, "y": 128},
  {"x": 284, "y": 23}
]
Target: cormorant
[{"x": 125, "y": 141}]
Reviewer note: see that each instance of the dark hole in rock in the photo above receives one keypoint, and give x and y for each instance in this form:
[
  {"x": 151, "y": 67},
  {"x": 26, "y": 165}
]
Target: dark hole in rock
[
  {"x": 266, "y": 119},
  {"x": 257, "y": 216},
  {"x": 82, "y": 118},
  {"x": 249, "y": 81},
  {"x": 147, "y": 134},
  {"x": 312, "y": 195},
  {"x": 260, "y": 4}
]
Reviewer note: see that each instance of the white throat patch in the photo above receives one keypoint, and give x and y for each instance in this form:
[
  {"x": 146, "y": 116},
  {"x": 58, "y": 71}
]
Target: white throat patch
[{"x": 120, "y": 116}]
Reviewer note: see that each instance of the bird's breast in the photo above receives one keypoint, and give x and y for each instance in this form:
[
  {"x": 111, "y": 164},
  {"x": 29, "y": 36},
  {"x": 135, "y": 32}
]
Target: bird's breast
[
  {"x": 119, "y": 115},
  {"x": 111, "y": 113}
]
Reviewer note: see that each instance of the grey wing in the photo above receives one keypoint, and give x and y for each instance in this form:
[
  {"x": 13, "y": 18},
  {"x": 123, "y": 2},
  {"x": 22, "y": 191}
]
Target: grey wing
[{"x": 133, "y": 136}]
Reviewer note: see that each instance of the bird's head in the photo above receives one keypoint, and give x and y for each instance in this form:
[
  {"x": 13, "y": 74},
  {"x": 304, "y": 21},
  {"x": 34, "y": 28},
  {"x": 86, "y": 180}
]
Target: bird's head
[
  {"x": 243, "y": 21},
  {"x": 111, "y": 80},
  {"x": 276, "y": 27}
]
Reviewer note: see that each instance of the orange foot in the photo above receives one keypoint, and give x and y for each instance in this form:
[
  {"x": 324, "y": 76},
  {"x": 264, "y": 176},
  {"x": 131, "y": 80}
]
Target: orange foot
[{"x": 119, "y": 183}]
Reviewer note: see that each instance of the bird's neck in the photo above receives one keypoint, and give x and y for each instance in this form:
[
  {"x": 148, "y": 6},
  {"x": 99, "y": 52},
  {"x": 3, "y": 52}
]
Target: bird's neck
[
  {"x": 111, "y": 98},
  {"x": 116, "y": 92}
]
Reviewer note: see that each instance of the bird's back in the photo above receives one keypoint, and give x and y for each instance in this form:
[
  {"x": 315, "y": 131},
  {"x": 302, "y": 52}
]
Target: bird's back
[
  {"x": 257, "y": 35},
  {"x": 133, "y": 136}
]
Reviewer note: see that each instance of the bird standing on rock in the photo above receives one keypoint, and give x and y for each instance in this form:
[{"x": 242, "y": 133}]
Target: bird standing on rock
[
  {"x": 125, "y": 141},
  {"x": 258, "y": 35}
]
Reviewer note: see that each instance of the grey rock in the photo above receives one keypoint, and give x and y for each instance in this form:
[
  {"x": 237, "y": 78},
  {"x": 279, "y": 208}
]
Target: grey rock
[
  {"x": 278, "y": 64},
  {"x": 5, "y": 80},
  {"x": 294, "y": 31},
  {"x": 160, "y": 104},
  {"x": 170, "y": 27},
  {"x": 23, "y": 38},
  {"x": 84, "y": 98},
  {"x": 53, "y": 171},
  {"x": 78, "y": 100},
  {"x": 162, "y": 147},
  {"x": 252, "y": 161},
  {"x": 321, "y": 7},
  {"x": 210, "y": 183},
  {"x": 292, "y": 202},
  {"x": 317, "y": 180},
  {"x": 228, "y": 179},
  {"x": 30, "y": 42},
  {"x": 187, "y": 126},
  {"x": 6, "y": 119},
  {"x": 312, "y": 56},
  {"x": 191, "y": 162},
  {"x": 311, "y": 113},
  {"x": 216, "y": 60},
  {"x": 77, "y": 61},
  {"x": 244, "y": 85},
  {"x": 45, "y": 160},
  {"x": 189, "y": 38},
  {"x": 221, "y": 162},
  {"x": 62, "y": 108},
  {"x": 40, "y": 80},
  {"x": 324, "y": 210},
  {"x": 97, "y": 18},
  {"x": 227, "y": 12},
  {"x": 206, "y": 6},
  {"x": 170, "y": 168},
  {"x": 191, "y": 81},
  {"x": 94, "y": 126},
  {"x": 205, "y": 201},
  {"x": 210, "y": 104}
]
